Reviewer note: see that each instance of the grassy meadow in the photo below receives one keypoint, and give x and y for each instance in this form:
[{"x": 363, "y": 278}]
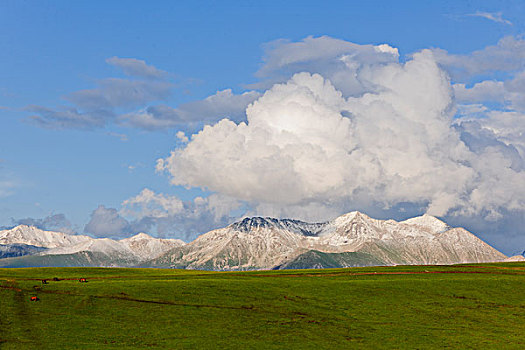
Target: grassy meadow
[{"x": 417, "y": 307}]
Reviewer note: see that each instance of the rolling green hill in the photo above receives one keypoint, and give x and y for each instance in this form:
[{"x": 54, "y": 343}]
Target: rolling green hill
[{"x": 416, "y": 307}]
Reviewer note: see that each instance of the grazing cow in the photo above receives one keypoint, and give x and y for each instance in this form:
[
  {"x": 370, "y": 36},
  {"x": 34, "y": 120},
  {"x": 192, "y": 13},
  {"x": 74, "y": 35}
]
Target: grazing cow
[
  {"x": 83, "y": 280},
  {"x": 34, "y": 298},
  {"x": 55, "y": 279},
  {"x": 44, "y": 281}
]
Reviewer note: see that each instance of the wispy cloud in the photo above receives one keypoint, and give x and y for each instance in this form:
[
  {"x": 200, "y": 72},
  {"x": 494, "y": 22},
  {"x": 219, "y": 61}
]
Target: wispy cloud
[
  {"x": 492, "y": 16},
  {"x": 121, "y": 137},
  {"x": 137, "y": 68},
  {"x": 8, "y": 182},
  {"x": 224, "y": 104},
  {"x": 508, "y": 55},
  {"x": 69, "y": 118},
  {"x": 97, "y": 107},
  {"x": 6, "y": 187},
  {"x": 132, "y": 103},
  {"x": 120, "y": 93}
]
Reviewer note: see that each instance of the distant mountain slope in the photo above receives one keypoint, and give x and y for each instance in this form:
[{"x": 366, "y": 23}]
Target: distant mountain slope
[
  {"x": 515, "y": 258},
  {"x": 16, "y": 249}
]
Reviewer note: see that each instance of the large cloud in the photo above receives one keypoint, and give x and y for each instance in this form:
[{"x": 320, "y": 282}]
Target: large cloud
[{"x": 305, "y": 144}]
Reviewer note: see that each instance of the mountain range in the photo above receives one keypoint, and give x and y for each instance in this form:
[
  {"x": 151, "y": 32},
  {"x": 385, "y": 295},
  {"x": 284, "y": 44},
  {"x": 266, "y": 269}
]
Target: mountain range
[
  {"x": 353, "y": 239},
  {"x": 30, "y": 246}
]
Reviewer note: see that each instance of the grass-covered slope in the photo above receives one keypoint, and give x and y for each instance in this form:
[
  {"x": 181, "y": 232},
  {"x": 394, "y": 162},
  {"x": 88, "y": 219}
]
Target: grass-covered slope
[
  {"x": 320, "y": 260},
  {"x": 408, "y": 307},
  {"x": 80, "y": 259}
]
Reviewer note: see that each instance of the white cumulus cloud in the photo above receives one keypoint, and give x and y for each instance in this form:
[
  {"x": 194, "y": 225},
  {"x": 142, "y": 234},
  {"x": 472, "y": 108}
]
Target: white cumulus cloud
[{"x": 307, "y": 145}]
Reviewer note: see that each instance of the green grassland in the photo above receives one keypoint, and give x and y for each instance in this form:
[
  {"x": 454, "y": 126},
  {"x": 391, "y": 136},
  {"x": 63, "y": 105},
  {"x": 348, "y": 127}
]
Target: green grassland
[{"x": 417, "y": 307}]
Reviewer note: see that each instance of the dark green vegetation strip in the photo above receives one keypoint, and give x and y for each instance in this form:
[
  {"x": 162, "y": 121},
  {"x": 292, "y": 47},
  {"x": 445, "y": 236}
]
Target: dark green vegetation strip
[{"x": 463, "y": 306}]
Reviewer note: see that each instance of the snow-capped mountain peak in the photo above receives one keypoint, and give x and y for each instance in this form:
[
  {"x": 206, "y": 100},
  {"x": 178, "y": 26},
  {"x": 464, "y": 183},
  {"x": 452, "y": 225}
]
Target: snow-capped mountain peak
[
  {"x": 348, "y": 217},
  {"x": 145, "y": 246},
  {"x": 138, "y": 236},
  {"x": 428, "y": 221},
  {"x": 31, "y": 235}
]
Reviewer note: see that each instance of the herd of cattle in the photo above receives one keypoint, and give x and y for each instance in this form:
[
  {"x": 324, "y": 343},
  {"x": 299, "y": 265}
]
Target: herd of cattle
[{"x": 35, "y": 298}]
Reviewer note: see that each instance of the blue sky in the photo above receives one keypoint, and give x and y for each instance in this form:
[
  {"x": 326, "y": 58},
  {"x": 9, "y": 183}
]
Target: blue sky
[{"x": 51, "y": 50}]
